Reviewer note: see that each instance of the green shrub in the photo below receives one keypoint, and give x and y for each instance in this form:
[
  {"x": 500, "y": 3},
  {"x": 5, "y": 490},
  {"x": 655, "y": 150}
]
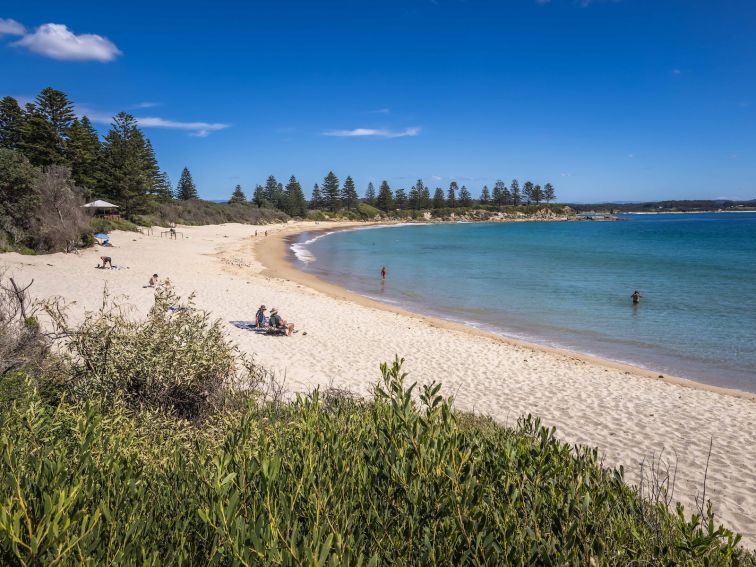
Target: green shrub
[
  {"x": 323, "y": 480},
  {"x": 176, "y": 360},
  {"x": 368, "y": 211},
  {"x": 200, "y": 212},
  {"x": 100, "y": 224}
]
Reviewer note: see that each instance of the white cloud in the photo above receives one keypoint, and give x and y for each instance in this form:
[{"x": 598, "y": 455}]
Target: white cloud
[
  {"x": 436, "y": 177},
  {"x": 197, "y": 129},
  {"x": 58, "y": 42},
  {"x": 146, "y": 105},
  {"x": 11, "y": 27},
  {"x": 381, "y": 111},
  {"x": 380, "y": 133}
]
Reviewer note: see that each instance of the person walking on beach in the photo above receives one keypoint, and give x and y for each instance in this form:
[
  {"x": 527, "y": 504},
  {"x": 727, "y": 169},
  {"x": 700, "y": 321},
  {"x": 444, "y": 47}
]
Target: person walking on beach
[
  {"x": 106, "y": 261},
  {"x": 384, "y": 272},
  {"x": 636, "y": 296}
]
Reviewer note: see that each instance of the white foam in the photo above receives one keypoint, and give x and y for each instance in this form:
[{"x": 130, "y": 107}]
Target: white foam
[{"x": 300, "y": 248}]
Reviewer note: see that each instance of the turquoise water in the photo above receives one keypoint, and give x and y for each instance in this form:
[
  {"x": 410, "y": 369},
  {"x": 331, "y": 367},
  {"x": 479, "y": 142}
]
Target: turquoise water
[{"x": 569, "y": 284}]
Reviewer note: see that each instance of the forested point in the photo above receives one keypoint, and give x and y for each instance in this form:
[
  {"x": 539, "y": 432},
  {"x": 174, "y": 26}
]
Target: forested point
[{"x": 53, "y": 161}]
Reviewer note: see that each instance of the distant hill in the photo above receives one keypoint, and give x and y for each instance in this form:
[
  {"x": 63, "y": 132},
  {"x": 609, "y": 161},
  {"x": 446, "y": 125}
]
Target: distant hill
[{"x": 669, "y": 206}]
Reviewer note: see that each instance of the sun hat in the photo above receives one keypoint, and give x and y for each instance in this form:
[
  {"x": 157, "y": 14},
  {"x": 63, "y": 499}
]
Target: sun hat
[{"x": 274, "y": 310}]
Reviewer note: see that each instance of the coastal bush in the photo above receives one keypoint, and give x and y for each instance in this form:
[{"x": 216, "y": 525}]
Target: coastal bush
[
  {"x": 23, "y": 345},
  {"x": 95, "y": 477},
  {"x": 199, "y": 212},
  {"x": 368, "y": 211},
  {"x": 175, "y": 360},
  {"x": 100, "y": 224}
]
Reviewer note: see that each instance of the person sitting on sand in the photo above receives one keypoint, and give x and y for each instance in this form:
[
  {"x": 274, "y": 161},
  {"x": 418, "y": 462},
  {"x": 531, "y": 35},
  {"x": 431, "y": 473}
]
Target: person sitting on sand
[
  {"x": 276, "y": 323},
  {"x": 154, "y": 280},
  {"x": 260, "y": 318},
  {"x": 106, "y": 261},
  {"x": 636, "y": 296}
]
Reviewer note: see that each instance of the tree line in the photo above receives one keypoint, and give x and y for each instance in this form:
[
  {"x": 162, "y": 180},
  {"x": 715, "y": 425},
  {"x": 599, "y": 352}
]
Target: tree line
[
  {"x": 121, "y": 166},
  {"x": 333, "y": 196}
]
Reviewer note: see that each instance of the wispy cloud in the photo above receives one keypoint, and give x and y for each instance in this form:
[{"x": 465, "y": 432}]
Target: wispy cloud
[
  {"x": 197, "y": 129},
  {"x": 380, "y": 111},
  {"x": 436, "y": 177},
  {"x": 58, "y": 42},
  {"x": 11, "y": 27},
  {"x": 145, "y": 105},
  {"x": 378, "y": 133},
  {"x": 677, "y": 72}
]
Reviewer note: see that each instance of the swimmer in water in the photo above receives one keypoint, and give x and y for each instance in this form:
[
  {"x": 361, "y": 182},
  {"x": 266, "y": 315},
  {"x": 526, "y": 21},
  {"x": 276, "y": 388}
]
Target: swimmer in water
[{"x": 636, "y": 297}]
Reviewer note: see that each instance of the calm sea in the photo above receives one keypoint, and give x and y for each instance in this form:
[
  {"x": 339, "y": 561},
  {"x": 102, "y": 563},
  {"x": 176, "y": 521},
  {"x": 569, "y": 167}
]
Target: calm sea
[{"x": 569, "y": 284}]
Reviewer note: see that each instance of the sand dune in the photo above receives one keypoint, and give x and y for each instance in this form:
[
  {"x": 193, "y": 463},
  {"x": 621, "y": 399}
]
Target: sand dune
[{"x": 623, "y": 411}]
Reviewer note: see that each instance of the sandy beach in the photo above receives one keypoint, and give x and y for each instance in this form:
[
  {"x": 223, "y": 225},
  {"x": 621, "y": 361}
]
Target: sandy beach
[{"x": 630, "y": 414}]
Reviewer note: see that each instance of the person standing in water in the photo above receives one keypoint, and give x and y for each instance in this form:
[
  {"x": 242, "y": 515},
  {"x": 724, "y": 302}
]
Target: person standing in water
[
  {"x": 636, "y": 296},
  {"x": 384, "y": 272}
]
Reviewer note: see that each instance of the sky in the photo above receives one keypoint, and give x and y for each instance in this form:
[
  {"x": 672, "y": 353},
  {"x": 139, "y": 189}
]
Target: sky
[{"x": 608, "y": 100}]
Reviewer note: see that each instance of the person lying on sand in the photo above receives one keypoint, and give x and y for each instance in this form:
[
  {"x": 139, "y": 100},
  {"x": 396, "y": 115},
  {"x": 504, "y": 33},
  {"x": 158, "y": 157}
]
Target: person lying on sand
[
  {"x": 276, "y": 323},
  {"x": 260, "y": 318},
  {"x": 107, "y": 261}
]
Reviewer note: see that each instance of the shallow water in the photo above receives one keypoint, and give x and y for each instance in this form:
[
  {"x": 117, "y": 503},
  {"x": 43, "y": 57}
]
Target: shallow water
[{"x": 569, "y": 284}]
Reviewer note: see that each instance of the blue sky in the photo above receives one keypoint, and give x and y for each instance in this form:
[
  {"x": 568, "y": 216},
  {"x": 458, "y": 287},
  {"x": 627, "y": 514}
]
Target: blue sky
[{"x": 605, "y": 99}]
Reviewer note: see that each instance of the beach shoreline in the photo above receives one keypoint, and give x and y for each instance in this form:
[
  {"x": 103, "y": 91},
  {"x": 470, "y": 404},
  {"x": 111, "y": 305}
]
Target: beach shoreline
[{"x": 275, "y": 255}]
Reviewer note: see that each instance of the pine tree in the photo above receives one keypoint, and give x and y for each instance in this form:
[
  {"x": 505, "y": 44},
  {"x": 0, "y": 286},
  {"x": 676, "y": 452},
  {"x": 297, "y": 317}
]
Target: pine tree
[
  {"x": 370, "y": 194},
  {"x": 296, "y": 204},
  {"x": 537, "y": 194},
  {"x": 186, "y": 190},
  {"x": 515, "y": 188},
  {"x": 273, "y": 193},
  {"x": 316, "y": 201},
  {"x": 55, "y": 107},
  {"x": 527, "y": 192},
  {"x": 282, "y": 203},
  {"x": 128, "y": 165},
  {"x": 349, "y": 194},
  {"x": 258, "y": 198},
  {"x": 485, "y": 196},
  {"x": 330, "y": 192},
  {"x": 425, "y": 198},
  {"x": 507, "y": 196},
  {"x": 451, "y": 196},
  {"x": 439, "y": 201},
  {"x": 499, "y": 192},
  {"x": 151, "y": 167},
  {"x": 38, "y": 140},
  {"x": 385, "y": 199},
  {"x": 465, "y": 198},
  {"x": 400, "y": 198},
  {"x": 83, "y": 149},
  {"x": 548, "y": 193},
  {"x": 163, "y": 189},
  {"x": 45, "y": 128},
  {"x": 238, "y": 197},
  {"x": 413, "y": 198},
  {"x": 11, "y": 119}
]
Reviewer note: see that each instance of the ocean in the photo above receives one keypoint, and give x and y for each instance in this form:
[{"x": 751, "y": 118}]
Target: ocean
[{"x": 568, "y": 284}]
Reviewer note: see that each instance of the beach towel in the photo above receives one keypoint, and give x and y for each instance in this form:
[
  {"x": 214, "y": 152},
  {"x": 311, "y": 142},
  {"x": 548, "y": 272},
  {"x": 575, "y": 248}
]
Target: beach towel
[{"x": 247, "y": 326}]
